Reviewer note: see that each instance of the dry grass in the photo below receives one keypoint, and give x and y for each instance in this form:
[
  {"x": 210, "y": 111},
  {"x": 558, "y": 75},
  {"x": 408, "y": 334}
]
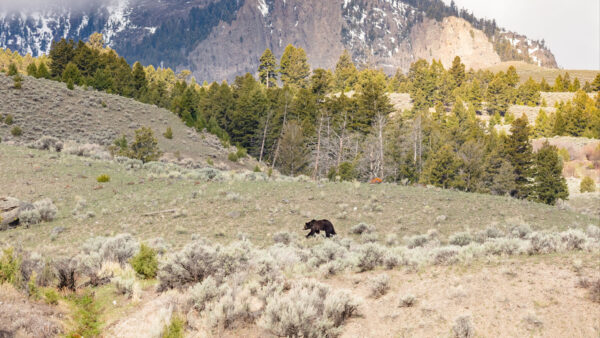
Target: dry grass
[
  {"x": 526, "y": 70},
  {"x": 48, "y": 108},
  {"x": 262, "y": 210}
]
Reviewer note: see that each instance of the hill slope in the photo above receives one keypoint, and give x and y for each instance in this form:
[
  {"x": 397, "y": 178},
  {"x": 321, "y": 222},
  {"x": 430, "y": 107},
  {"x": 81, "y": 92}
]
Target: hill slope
[
  {"x": 48, "y": 108},
  {"x": 208, "y": 36}
]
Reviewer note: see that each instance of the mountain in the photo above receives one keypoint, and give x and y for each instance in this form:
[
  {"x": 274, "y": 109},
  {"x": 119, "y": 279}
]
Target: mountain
[{"x": 220, "y": 39}]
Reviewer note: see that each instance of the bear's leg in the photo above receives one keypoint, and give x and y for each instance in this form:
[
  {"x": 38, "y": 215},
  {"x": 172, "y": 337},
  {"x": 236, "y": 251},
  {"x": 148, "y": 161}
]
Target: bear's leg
[
  {"x": 311, "y": 233},
  {"x": 327, "y": 234}
]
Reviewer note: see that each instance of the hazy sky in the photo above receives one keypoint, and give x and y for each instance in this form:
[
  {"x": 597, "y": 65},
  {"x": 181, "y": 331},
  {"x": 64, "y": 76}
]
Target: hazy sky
[{"x": 571, "y": 28}]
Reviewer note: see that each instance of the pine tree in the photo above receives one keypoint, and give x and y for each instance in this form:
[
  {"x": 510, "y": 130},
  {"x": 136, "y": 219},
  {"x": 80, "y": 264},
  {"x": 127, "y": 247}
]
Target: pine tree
[
  {"x": 529, "y": 93},
  {"x": 442, "y": 169},
  {"x": 140, "y": 83},
  {"x": 72, "y": 73},
  {"x": 293, "y": 156},
  {"x": 457, "y": 71},
  {"x": 294, "y": 67},
  {"x": 61, "y": 53},
  {"x": 267, "y": 69},
  {"x": 145, "y": 146},
  {"x": 550, "y": 185},
  {"x": 371, "y": 98},
  {"x": 32, "y": 69},
  {"x": 12, "y": 69},
  {"x": 42, "y": 71},
  {"x": 543, "y": 125},
  {"x": 498, "y": 97},
  {"x": 596, "y": 83},
  {"x": 544, "y": 86},
  {"x": 346, "y": 73},
  {"x": 512, "y": 78},
  {"x": 519, "y": 152}
]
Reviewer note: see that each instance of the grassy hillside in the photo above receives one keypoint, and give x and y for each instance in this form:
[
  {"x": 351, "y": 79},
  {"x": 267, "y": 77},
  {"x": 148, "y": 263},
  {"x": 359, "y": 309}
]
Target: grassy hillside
[
  {"x": 385, "y": 279},
  {"x": 526, "y": 70},
  {"x": 48, "y": 108},
  {"x": 223, "y": 210}
]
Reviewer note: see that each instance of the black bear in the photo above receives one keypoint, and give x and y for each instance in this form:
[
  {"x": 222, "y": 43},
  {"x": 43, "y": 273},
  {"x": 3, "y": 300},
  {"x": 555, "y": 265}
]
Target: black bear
[{"x": 316, "y": 227}]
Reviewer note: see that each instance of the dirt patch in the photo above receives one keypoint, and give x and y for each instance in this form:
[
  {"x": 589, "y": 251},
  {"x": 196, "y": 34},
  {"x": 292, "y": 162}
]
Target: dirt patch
[{"x": 22, "y": 317}]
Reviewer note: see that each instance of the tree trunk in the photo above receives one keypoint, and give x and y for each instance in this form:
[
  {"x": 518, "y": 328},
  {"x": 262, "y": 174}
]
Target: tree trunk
[
  {"x": 262, "y": 147},
  {"x": 316, "y": 171}
]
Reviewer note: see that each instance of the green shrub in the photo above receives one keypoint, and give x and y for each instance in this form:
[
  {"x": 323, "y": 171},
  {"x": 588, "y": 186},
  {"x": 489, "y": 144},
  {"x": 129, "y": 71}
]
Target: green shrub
[
  {"x": 103, "y": 104},
  {"x": 86, "y": 316},
  {"x": 241, "y": 153},
  {"x": 12, "y": 70},
  {"x": 32, "y": 69},
  {"x": 145, "y": 146},
  {"x": 169, "y": 133},
  {"x": 103, "y": 178},
  {"x": 564, "y": 154},
  {"x": 210, "y": 162},
  {"x": 9, "y": 267},
  {"x": 587, "y": 185},
  {"x": 257, "y": 169},
  {"x": 175, "y": 329},
  {"x": 17, "y": 82},
  {"x": 32, "y": 288},
  {"x": 347, "y": 171},
  {"x": 16, "y": 131},
  {"x": 232, "y": 157},
  {"x": 51, "y": 297},
  {"x": 145, "y": 262},
  {"x": 8, "y": 119},
  {"x": 70, "y": 84}
]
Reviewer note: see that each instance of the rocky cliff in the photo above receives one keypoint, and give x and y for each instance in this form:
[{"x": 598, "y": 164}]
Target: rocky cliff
[{"x": 220, "y": 39}]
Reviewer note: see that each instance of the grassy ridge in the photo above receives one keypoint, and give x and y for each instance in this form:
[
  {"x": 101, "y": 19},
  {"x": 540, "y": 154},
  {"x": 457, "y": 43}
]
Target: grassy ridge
[{"x": 221, "y": 210}]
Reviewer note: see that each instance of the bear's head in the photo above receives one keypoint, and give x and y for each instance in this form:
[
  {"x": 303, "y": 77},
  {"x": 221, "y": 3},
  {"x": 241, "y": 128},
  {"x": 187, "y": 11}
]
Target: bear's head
[{"x": 308, "y": 225}]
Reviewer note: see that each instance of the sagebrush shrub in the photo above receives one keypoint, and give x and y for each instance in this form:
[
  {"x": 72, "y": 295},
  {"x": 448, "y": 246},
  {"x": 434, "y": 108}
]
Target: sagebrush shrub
[
  {"x": 47, "y": 209},
  {"x": 369, "y": 256},
  {"x": 8, "y": 119},
  {"x": 308, "y": 309},
  {"x": 198, "y": 260},
  {"x": 593, "y": 231},
  {"x": 463, "y": 328},
  {"x": 362, "y": 228},
  {"x": 283, "y": 237},
  {"x": 461, "y": 239},
  {"x": 521, "y": 231},
  {"x": 30, "y": 216},
  {"x": 416, "y": 241},
  {"x": 126, "y": 286},
  {"x": 204, "y": 292},
  {"x": 169, "y": 133},
  {"x": 445, "y": 255},
  {"x": 379, "y": 285},
  {"x": 119, "y": 248},
  {"x": 145, "y": 262},
  {"x": 229, "y": 309},
  {"x": 543, "y": 243},
  {"x": 407, "y": 300},
  {"x": 66, "y": 269},
  {"x": 47, "y": 143},
  {"x": 573, "y": 239}
]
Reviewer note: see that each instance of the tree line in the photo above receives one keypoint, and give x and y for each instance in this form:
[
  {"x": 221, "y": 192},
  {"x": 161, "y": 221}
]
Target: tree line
[{"x": 341, "y": 124}]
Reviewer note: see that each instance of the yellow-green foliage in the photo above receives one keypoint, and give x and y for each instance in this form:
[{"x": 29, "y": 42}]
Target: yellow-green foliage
[
  {"x": 51, "y": 297},
  {"x": 8, "y": 119},
  {"x": 103, "y": 178},
  {"x": 9, "y": 266},
  {"x": 564, "y": 154},
  {"x": 32, "y": 288},
  {"x": 145, "y": 262},
  {"x": 169, "y": 133},
  {"x": 175, "y": 329},
  {"x": 86, "y": 316},
  {"x": 16, "y": 131},
  {"x": 587, "y": 185}
]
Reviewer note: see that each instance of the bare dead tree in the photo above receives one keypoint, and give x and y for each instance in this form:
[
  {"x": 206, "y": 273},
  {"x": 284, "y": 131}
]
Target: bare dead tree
[{"x": 264, "y": 138}]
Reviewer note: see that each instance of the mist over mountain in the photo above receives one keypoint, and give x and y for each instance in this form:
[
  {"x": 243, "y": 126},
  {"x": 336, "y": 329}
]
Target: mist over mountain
[{"x": 221, "y": 39}]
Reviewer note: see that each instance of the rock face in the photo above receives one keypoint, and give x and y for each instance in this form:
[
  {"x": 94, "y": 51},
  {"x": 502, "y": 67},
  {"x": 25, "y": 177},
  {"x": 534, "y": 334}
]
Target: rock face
[
  {"x": 453, "y": 36},
  {"x": 9, "y": 212},
  {"x": 221, "y": 39}
]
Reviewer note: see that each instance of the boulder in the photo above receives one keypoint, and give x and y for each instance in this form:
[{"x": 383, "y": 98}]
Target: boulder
[{"x": 9, "y": 212}]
